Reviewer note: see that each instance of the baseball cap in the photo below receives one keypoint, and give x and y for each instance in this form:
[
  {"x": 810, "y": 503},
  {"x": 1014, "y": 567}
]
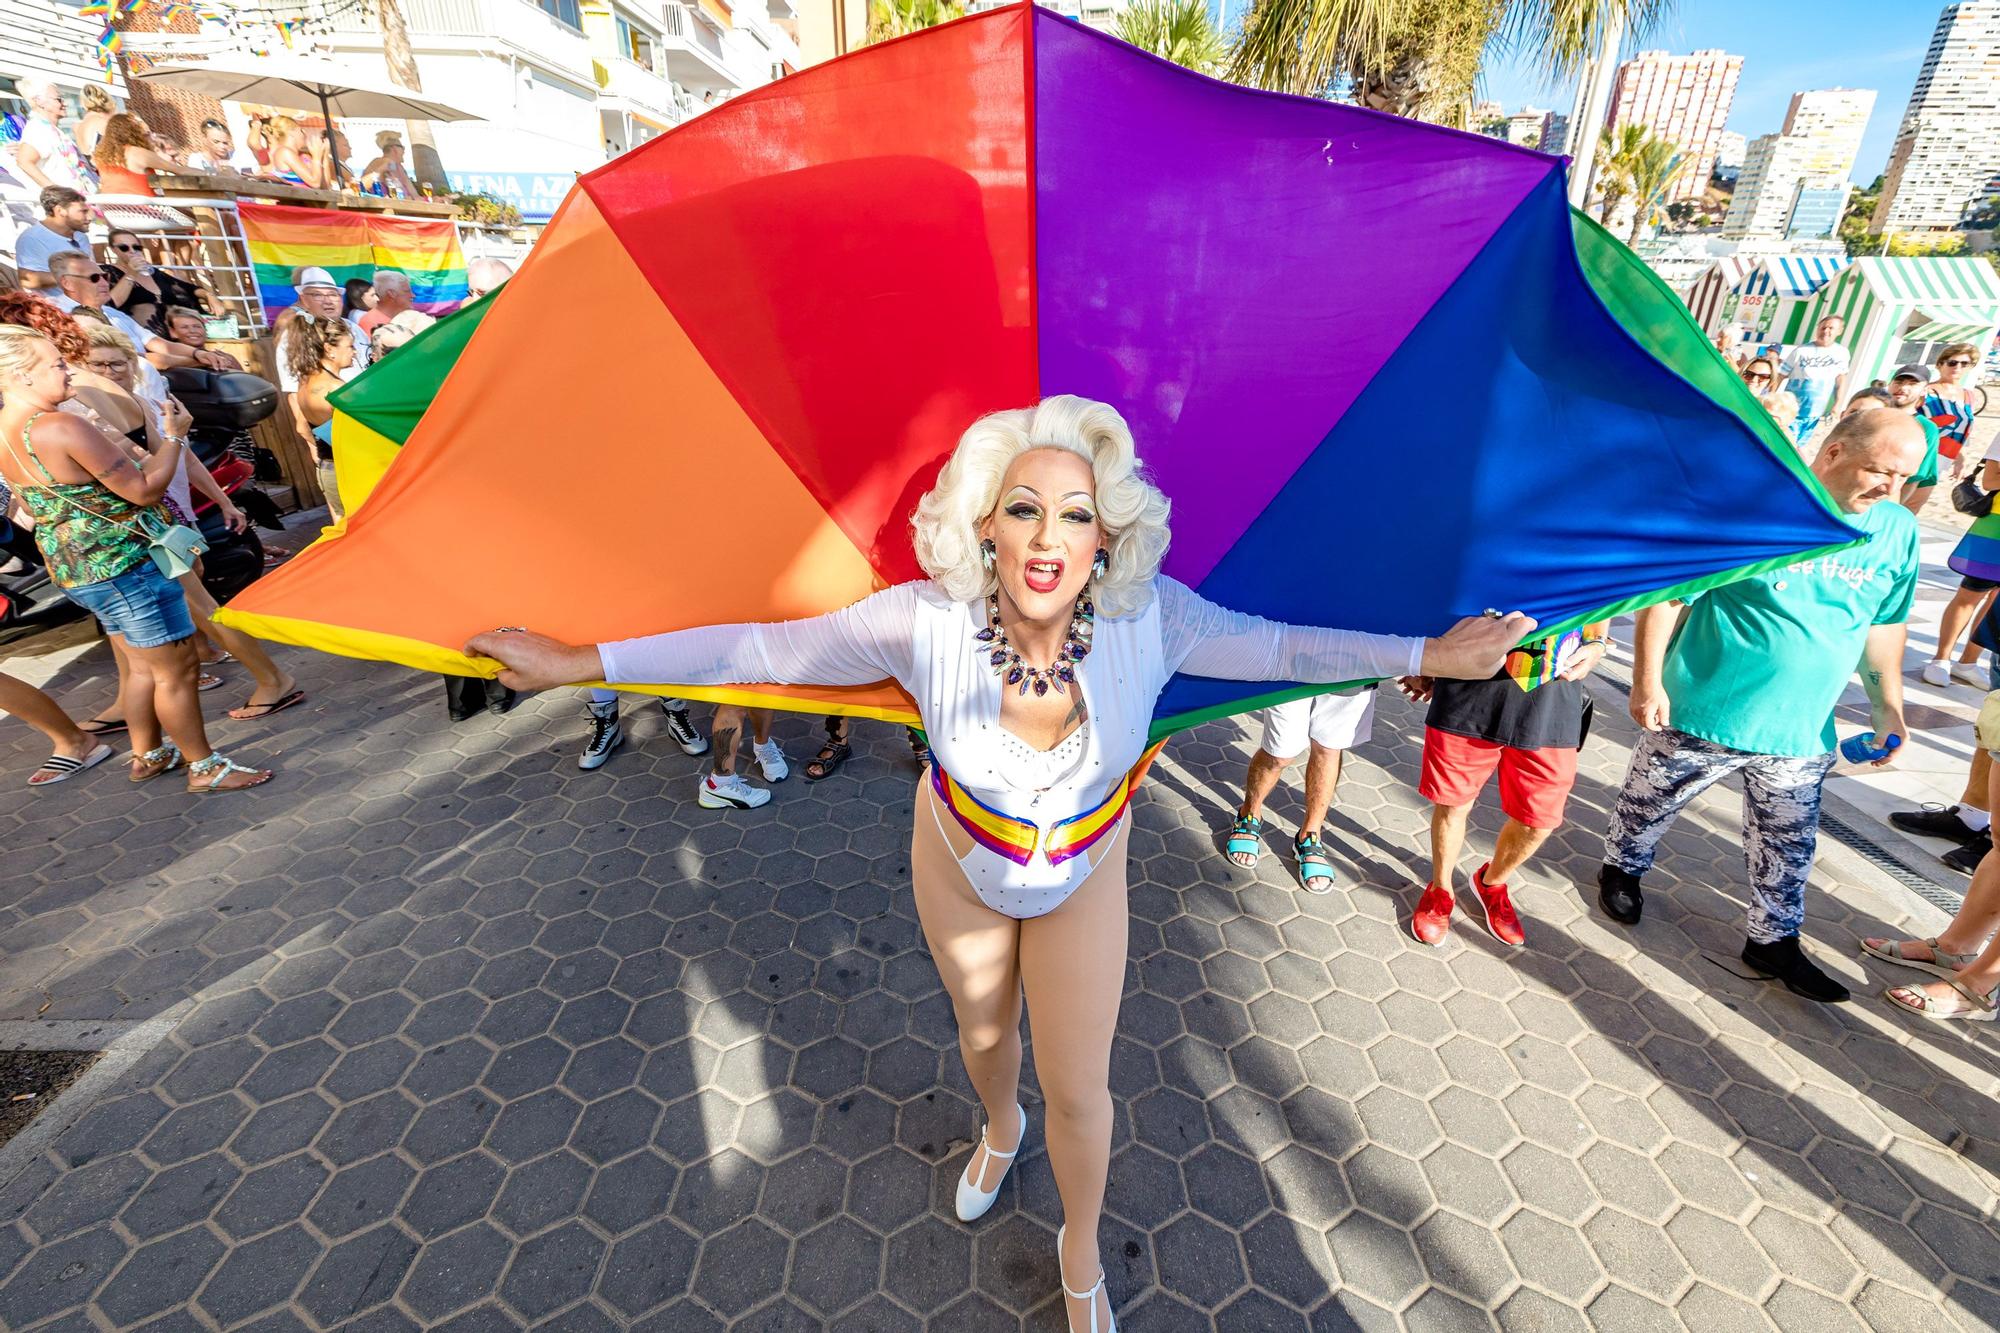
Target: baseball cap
[
  {"x": 317, "y": 277},
  {"x": 1921, "y": 374}
]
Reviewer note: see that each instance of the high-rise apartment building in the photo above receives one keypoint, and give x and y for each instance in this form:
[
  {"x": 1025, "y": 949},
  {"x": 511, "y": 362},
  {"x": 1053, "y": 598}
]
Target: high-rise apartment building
[
  {"x": 1949, "y": 143},
  {"x": 1684, "y": 99},
  {"x": 1820, "y": 140}
]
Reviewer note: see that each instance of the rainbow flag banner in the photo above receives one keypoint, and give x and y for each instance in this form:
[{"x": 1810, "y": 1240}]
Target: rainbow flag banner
[{"x": 284, "y": 239}]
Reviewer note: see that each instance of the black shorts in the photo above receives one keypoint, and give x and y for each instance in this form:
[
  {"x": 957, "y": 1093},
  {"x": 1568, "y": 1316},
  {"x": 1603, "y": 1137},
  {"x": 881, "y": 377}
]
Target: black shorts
[{"x": 1971, "y": 584}]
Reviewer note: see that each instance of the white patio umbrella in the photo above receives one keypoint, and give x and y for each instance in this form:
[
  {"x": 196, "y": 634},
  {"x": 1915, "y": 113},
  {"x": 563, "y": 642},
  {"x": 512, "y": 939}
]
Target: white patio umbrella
[{"x": 301, "y": 83}]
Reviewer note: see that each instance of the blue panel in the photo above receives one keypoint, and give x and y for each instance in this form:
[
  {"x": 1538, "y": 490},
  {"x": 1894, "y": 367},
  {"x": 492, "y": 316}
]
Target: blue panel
[{"x": 1520, "y": 450}]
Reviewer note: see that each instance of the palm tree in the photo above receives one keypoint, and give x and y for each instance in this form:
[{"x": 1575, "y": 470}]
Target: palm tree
[
  {"x": 895, "y": 18},
  {"x": 1176, "y": 30},
  {"x": 1655, "y": 167},
  {"x": 1616, "y": 154},
  {"x": 1419, "y": 57},
  {"x": 426, "y": 168}
]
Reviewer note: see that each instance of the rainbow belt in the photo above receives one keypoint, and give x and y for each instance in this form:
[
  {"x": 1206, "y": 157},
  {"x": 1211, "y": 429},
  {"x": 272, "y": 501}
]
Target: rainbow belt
[{"x": 1015, "y": 839}]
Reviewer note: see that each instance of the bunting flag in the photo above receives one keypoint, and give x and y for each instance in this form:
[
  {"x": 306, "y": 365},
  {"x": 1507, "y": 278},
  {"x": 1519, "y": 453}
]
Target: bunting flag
[
  {"x": 347, "y": 245},
  {"x": 1385, "y": 375}
]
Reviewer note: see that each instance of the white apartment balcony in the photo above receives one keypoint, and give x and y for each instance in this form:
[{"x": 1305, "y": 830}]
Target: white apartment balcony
[
  {"x": 522, "y": 27},
  {"x": 693, "y": 50},
  {"x": 646, "y": 94}
]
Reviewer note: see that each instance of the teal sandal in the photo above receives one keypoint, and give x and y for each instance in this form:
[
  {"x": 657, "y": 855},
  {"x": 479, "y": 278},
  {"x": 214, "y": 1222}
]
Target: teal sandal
[
  {"x": 1246, "y": 838},
  {"x": 1315, "y": 866}
]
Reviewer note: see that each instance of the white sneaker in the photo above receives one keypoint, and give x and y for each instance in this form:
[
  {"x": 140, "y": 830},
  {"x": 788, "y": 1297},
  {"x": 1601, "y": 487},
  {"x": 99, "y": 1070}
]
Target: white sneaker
[
  {"x": 1937, "y": 673},
  {"x": 771, "y": 761},
  {"x": 1971, "y": 673},
  {"x": 605, "y": 736},
  {"x": 972, "y": 1200},
  {"x": 728, "y": 791}
]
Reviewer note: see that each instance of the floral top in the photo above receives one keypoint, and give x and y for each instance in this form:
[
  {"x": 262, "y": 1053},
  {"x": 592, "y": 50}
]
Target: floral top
[{"x": 86, "y": 533}]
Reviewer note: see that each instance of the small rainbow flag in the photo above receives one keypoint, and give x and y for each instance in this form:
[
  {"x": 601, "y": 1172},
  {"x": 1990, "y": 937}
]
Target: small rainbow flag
[
  {"x": 1538, "y": 663},
  {"x": 352, "y": 245}
]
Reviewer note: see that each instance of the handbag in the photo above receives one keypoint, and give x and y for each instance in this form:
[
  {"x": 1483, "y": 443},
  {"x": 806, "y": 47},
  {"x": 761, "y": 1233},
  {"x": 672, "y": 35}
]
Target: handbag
[
  {"x": 172, "y": 547},
  {"x": 1967, "y": 497}
]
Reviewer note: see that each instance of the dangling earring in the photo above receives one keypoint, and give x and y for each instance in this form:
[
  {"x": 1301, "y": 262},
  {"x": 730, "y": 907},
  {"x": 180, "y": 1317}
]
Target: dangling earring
[
  {"x": 986, "y": 552},
  {"x": 1100, "y": 562}
]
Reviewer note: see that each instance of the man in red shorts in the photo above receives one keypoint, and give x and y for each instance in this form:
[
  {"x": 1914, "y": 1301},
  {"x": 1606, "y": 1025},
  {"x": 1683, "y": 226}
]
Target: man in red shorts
[{"x": 1476, "y": 728}]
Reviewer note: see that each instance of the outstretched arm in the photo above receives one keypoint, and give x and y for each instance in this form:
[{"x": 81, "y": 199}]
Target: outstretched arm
[
  {"x": 855, "y": 645},
  {"x": 1209, "y": 640}
]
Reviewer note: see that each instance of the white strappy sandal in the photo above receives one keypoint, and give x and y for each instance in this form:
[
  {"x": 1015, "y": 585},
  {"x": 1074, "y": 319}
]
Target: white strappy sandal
[
  {"x": 974, "y": 1201},
  {"x": 1090, "y": 1296}
]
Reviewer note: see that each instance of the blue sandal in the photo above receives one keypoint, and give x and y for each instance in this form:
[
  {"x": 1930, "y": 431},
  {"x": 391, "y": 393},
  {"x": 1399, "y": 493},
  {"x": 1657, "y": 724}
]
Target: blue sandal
[
  {"x": 1315, "y": 866},
  {"x": 1246, "y": 838}
]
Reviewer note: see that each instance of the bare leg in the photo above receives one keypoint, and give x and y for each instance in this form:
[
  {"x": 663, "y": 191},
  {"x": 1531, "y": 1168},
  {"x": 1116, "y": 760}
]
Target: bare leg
[
  {"x": 1322, "y": 777},
  {"x": 723, "y": 734},
  {"x": 760, "y": 724},
  {"x": 1979, "y": 915},
  {"x": 20, "y": 699},
  {"x": 1517, "y": 842},
  {"x": 272, "y": 683},
  {"x": 1258, "y": 784},
  {"x": 169, "y": 673},
  {"x": 1447, "y": 841},
  {"x": 1073, "y": 969},
  {"x": 1959, "y": 612},
  {"x": 976, "y": 950},
  {"x": 1978, "y": 782},
  {"x": 135, "y": 697}
]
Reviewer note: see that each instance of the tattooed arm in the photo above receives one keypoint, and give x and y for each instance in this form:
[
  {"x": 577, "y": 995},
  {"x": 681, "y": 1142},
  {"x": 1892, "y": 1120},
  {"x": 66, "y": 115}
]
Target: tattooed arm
[{"x": 1882, "y": 676}]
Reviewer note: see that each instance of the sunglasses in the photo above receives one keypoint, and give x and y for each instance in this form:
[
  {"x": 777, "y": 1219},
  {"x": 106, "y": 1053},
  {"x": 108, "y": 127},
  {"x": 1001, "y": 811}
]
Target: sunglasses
[
  {"x": 1956, "y": 361},
  {"x": 120, "y": 245},
  {"x": 1754, "y": 377},
  {"x": 91, "y": 277}
]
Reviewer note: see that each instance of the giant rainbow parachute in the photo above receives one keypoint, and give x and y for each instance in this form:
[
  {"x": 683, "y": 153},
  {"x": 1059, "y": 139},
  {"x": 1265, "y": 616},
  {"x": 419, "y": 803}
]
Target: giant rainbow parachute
[{"x": 1386, "y": 376}]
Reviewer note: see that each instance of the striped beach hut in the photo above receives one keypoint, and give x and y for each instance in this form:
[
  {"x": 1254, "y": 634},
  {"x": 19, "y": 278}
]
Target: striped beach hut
[
  {"x": 1764, "y": 298},
  {"x": 1900, "y": 311}
]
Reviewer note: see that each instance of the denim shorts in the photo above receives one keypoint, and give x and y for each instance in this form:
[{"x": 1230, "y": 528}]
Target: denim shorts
[{"x": 143, "y": 606}]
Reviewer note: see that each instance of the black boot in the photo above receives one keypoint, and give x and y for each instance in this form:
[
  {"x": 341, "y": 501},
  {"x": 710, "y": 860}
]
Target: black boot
[
  {"x": 1619, "y": 894},
  {"x": 1783, "y": 960}
]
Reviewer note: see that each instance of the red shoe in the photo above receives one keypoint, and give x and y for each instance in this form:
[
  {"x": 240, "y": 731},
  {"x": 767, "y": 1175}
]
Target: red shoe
[
  {"x": 1500, "y": 916},
  {"x": 1432, "y": 919}
]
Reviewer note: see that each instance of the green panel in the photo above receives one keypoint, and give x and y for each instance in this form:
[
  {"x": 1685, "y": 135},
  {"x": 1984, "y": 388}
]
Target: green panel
[
  {"x": 1654, "y": 316},
  {"x": 391, "y": 396}
]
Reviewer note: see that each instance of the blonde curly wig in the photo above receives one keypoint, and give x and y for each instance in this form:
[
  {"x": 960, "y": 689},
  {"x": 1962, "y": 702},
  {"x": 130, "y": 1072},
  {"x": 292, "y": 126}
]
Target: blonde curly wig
[{"x": 1130, "y": 508}]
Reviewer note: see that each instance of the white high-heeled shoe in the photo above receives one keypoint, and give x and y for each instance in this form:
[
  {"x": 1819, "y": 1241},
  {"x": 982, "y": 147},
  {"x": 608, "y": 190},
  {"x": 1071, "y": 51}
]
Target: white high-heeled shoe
[
  {"x": 974, "y": 1201},
  {"x": 1111, "y": 1317}
]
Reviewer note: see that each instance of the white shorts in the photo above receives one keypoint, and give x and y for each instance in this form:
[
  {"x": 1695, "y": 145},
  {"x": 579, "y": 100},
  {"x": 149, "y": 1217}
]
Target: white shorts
[{"x": 1330, "y": 721}]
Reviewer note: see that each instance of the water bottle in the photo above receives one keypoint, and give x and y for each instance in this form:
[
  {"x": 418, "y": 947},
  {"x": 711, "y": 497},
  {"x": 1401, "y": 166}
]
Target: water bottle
[{"x": 1862, "y": 749}]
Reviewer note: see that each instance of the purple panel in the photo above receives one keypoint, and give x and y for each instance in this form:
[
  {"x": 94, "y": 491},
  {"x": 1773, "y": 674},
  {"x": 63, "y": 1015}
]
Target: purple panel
[{"x": 1230, "y": 268}]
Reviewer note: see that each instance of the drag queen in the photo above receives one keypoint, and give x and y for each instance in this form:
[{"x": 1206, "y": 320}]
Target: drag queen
[{"x": 1035, "y": 653}]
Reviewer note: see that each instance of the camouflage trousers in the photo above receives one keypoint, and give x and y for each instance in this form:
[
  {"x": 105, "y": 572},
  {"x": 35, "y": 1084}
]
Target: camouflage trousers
[{"x": 1781, "y": 796}]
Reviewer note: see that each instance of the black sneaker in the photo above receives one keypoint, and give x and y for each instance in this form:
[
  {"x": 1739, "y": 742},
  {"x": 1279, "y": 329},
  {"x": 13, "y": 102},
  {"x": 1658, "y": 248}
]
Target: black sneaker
[
  {"x": 681, "y": 728},
  {"x": 1783, "y": 960},
  {"x": 1936, "y": 821},
  {"x": 1966, "y": 859},
  {"x": 1619, "y": 894}
]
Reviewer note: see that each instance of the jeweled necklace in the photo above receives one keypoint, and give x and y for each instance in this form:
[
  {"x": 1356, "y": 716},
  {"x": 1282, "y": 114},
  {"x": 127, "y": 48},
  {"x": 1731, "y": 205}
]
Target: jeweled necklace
[{"x": 1061, "y": 673}]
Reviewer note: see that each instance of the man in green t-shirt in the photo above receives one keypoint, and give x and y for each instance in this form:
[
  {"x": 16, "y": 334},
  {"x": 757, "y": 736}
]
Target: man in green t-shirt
[
  {"x": 1905, "y": 393},
  {"x": 1748, "y": 681}
]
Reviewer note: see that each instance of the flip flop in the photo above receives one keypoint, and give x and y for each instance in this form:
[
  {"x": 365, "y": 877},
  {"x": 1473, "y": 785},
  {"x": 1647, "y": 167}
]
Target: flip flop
[
  {"x": 60, "y": 767},
  {"x": 102, "y": 726},
  {"x": 258, "y": 712},
  {"x": 205, "y": 682}
]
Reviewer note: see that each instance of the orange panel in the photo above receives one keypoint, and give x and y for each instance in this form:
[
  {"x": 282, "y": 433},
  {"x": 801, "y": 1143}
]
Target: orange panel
[{"x": 570, "y": 477}]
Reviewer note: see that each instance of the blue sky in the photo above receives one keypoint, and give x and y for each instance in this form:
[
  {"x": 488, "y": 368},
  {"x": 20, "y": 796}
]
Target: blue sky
[{"x": 1786, "y": 48}]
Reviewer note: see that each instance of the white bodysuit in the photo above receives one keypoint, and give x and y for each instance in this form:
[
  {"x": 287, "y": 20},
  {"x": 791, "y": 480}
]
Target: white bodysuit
[{"x": 915, "y": 635}]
